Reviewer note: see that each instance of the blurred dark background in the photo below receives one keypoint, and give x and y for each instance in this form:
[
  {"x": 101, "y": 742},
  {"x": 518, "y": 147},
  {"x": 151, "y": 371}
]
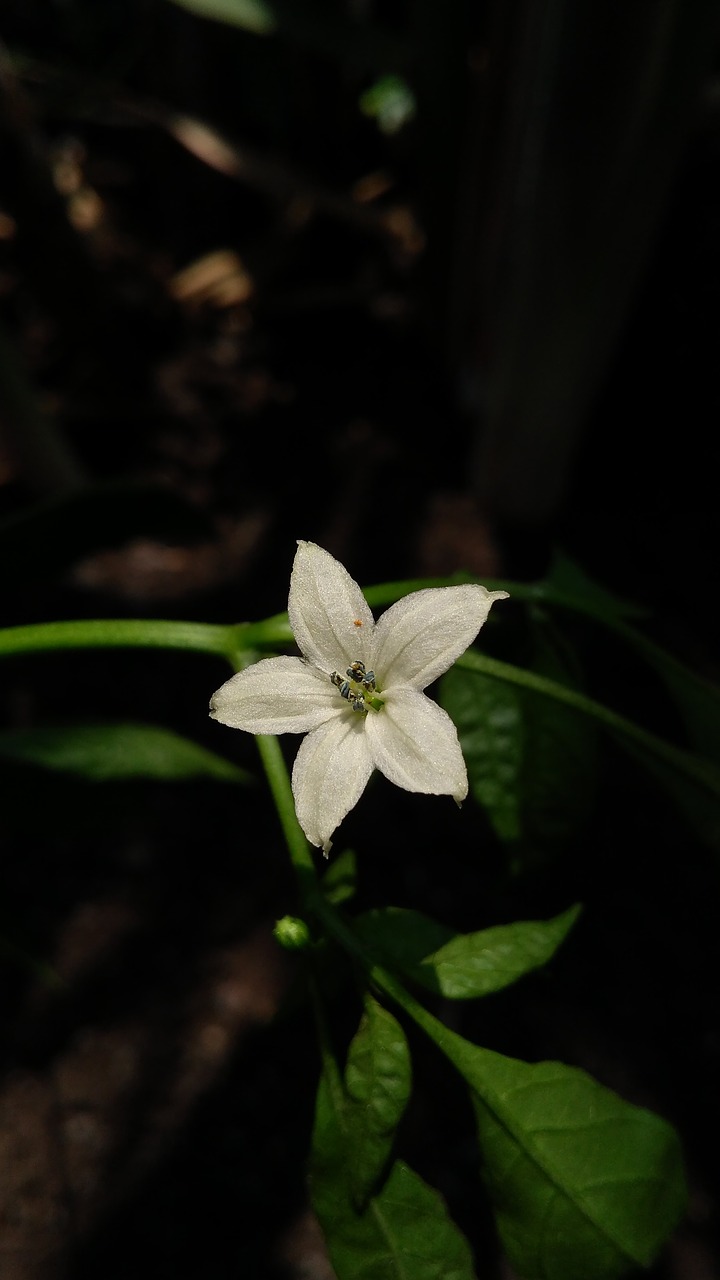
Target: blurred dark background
[{"x": 437, "y": 287}]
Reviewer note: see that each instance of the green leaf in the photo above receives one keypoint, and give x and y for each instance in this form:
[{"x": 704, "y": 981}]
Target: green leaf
[
  {"x": 476, "y": 964},
  {"x": 378, "y": 1080},
  {"x": 491, "y": 727},
  {"x": 103, "y": 752},
  {"x": 461, "y": 966},
  {"x": 582, "y": 1182},
  {"x": 531, "y": 763},
  {"x": 661, "y": 756},
  {"x": 403, "y": 1232}
]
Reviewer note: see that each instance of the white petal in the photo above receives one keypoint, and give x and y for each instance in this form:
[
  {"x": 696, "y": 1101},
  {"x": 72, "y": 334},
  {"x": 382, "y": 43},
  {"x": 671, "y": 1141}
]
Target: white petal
[
  {"x": 415, "y": 744},
  {"x": 420, "y": 636},
  {"x": 276, "y": 695},
  {"x": 330, "y": 774},
  {"x": 329, "y": 615}
]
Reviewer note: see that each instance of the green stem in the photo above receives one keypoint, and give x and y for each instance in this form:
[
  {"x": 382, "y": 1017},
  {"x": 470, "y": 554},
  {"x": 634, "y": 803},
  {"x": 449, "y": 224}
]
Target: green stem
[
  {"x": 239, "y": 645},
  {"x": 694, "y": 767},
  {"x": 313, "y": 897},
  {"x": 121, "y": 633},
  {"x": 317, "y": 904},
  {"x": 298, "y": 847}
]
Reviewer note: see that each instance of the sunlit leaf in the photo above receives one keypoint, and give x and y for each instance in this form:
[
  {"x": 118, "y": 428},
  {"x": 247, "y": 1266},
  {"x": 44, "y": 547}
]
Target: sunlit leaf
[
  {"x": 461, "y": 966},
  {"x": 378, "y": 1080},
  {"x": 403, "y": 1232},
  {"x": 582, "y": 1182},
  {"x": 476, "y": 964},
  {"x": 103, "y": 752}
]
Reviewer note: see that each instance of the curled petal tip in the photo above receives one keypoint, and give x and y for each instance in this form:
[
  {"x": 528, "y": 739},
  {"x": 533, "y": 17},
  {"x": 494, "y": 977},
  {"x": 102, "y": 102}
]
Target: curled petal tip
[{"x": 461, "y": 794}]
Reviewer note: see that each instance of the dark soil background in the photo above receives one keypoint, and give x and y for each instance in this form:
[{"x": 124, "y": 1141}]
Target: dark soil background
[{"x": 235, "y": 312}]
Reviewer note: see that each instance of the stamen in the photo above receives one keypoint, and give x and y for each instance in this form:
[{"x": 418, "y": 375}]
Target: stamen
[{"x": 357, "y": 687}]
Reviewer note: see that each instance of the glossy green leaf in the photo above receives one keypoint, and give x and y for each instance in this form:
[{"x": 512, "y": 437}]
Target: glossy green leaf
[
  {"x": 476, "y": 964},
  {"x": 403, "y": 1232},
  {"x": 378, "y": 1081},
  {"x": 103, "y": 752},
  {"x": 583, "y": 1184},
  {"x": 461, "y": 966}
]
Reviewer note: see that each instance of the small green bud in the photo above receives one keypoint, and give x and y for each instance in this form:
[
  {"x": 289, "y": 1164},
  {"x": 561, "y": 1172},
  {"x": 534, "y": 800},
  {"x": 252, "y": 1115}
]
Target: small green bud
[{"x": 292, "y": 933}]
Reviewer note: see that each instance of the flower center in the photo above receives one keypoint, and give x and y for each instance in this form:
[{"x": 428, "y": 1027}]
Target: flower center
[{"x": 358, "y": 687}]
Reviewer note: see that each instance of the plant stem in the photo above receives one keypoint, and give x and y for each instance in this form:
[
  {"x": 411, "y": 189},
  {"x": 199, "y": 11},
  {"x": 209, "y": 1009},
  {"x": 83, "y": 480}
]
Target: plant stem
[
  {"x": 315, "y": 901},
  {"x": 698, "y": 770},
  {"x": 121, "y": 633},
  {"x": 298, "y": 847}
]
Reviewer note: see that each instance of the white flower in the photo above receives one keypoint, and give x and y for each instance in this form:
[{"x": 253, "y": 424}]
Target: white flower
[{"x": 357, "y": 690}]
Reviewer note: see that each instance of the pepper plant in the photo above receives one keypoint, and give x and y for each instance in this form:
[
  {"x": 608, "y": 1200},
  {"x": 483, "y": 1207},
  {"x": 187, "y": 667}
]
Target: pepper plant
[{"x": 581, "y": 1182}]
